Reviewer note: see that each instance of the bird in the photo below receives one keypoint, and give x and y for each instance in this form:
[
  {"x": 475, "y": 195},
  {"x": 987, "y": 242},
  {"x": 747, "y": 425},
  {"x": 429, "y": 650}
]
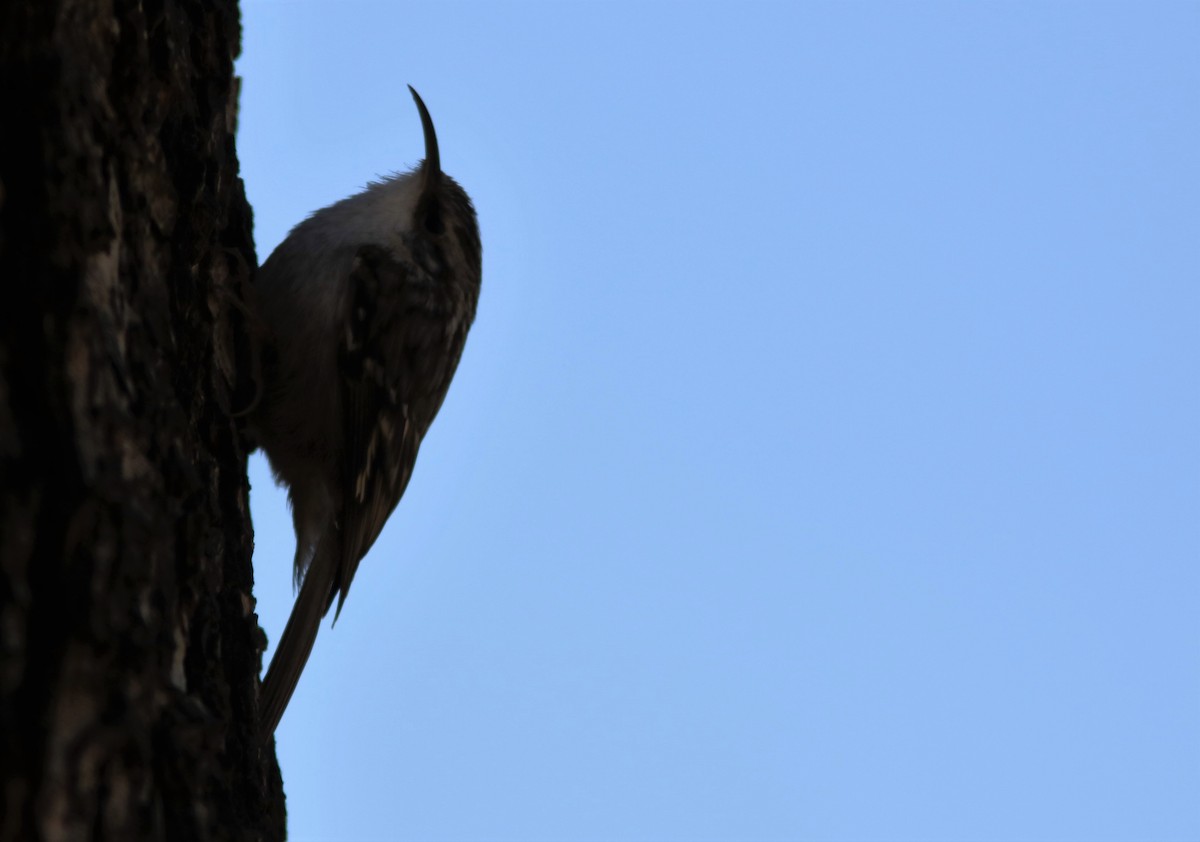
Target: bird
[{"x": 366, "y": 306}]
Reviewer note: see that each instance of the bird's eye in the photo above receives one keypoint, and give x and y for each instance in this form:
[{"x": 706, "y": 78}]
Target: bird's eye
[{"x": 431, "y": 218}]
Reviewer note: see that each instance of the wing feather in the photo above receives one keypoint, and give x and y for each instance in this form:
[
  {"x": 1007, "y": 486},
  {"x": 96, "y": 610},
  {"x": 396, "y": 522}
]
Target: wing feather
[{"x": 400, "y": 348}]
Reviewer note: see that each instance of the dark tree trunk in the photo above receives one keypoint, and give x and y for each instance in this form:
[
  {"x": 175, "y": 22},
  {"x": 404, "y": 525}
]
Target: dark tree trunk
[{"x": 129, "y": 646}]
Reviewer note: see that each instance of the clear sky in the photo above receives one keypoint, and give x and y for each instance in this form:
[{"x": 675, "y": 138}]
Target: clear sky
[{"x": 824, "y": 463}]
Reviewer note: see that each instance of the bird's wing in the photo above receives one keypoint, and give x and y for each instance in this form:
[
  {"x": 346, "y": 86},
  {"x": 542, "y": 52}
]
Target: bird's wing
[
  {"x": 404, "y": 335},
  {"x": 379, "y": 433}
]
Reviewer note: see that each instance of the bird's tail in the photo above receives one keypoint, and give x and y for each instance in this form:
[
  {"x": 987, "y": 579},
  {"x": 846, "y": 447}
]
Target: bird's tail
[{"x": 299, "y": 635}]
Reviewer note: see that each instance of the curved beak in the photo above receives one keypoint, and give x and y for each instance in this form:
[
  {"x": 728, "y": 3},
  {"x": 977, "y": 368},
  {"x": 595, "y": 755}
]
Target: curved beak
[{"x": 431, "y": 168}]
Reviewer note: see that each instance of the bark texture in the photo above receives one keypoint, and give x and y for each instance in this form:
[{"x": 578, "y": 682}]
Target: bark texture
[{"x": 129, "y": 646}]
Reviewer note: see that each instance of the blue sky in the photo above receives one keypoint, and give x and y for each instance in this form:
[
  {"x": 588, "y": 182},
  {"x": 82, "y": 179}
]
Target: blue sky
[{"x": 824, "y": 462}]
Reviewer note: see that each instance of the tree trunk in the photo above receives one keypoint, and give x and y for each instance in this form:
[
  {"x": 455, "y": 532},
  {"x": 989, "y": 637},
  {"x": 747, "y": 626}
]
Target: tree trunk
[{"x": 129, "y": 646}]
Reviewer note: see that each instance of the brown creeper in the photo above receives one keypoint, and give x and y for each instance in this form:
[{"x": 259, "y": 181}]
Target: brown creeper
[{"x": 368, "y": 302}]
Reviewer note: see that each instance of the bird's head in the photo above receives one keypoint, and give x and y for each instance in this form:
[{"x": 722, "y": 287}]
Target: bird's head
[{"x": 444, "y": 227}]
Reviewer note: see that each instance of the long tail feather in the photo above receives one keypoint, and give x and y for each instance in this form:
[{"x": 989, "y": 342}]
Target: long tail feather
[{"x": 298, "y": 636}]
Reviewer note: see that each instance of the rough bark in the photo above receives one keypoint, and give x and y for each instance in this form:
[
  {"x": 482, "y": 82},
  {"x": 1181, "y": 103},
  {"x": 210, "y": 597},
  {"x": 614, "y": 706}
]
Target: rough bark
[{"x": 129, "y": 646}]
